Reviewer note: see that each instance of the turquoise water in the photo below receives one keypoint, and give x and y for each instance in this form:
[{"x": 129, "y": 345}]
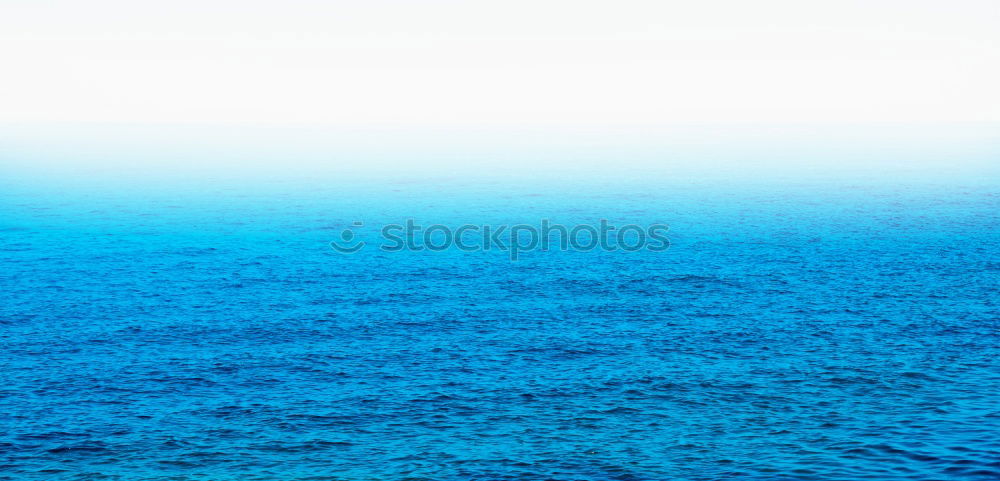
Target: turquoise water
[{"x": 794, "y": 330}]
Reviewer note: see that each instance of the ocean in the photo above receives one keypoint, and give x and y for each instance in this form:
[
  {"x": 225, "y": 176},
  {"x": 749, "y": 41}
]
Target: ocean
[{"x": 800, "y": 328}]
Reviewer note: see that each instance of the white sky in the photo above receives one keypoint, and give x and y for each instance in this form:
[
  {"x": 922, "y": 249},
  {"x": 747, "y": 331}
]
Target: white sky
[{"x": 502, "y": 62}]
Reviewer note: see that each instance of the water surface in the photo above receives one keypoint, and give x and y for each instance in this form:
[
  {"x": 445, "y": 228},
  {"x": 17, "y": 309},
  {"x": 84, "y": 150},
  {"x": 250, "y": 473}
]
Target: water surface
[{"x": 794, "y": 330}]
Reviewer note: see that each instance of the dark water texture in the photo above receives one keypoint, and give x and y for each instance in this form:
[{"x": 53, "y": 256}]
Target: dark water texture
[{"x": 792, "y": 331}]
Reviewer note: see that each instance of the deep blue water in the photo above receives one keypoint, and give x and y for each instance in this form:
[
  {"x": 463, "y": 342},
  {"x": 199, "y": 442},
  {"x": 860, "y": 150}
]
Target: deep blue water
[{"x": 834, "y": 331}]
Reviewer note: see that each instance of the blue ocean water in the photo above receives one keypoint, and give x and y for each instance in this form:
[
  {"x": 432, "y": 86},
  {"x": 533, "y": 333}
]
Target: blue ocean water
[{"x": 794, "y": 330}]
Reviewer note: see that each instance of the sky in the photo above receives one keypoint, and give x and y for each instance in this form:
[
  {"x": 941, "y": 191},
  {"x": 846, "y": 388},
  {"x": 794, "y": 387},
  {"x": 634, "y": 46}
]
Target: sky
[{"x": 538, "y": 62}]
